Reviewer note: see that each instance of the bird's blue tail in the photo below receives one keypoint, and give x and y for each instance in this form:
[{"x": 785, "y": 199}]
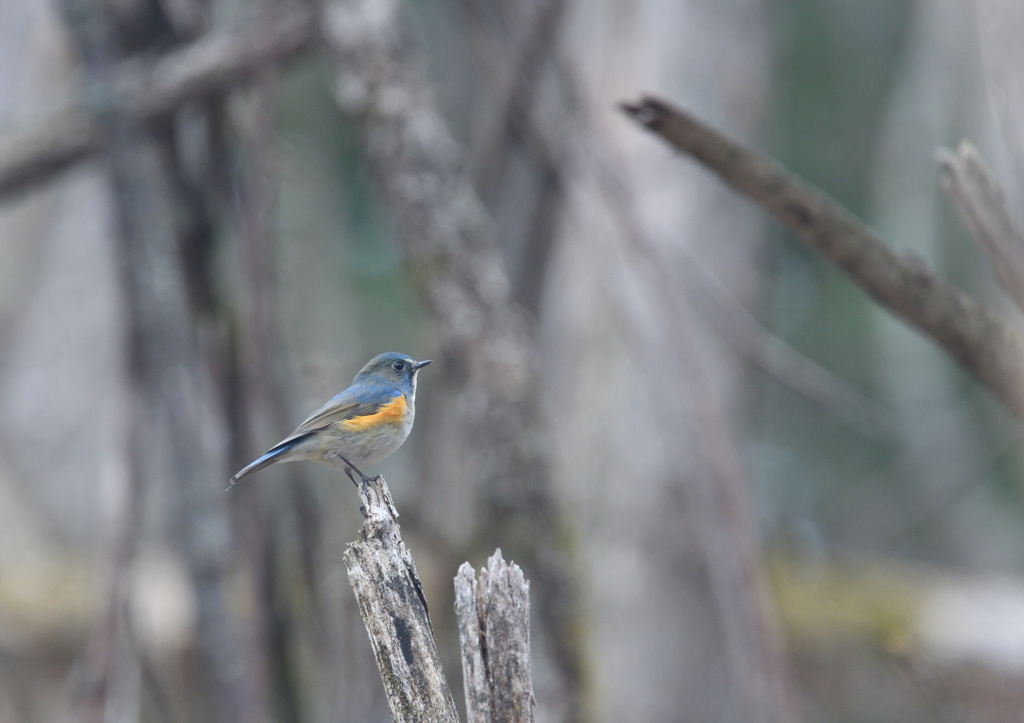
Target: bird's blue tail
[{"x": 266, "y": 460}]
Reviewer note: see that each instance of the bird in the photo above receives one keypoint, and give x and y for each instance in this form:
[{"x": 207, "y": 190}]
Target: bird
[{"x": 360, "y": 426}]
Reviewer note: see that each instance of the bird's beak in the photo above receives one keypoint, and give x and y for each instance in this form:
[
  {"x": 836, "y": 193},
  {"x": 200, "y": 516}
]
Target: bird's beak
[{"x": 418, "y": 365}]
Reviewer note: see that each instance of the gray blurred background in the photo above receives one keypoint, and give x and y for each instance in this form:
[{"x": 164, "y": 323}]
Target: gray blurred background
[{"x": 751, "y": 493}]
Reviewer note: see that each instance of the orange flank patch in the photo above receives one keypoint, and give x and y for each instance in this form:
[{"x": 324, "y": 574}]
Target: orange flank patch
[{"x": 391, "y": 413}]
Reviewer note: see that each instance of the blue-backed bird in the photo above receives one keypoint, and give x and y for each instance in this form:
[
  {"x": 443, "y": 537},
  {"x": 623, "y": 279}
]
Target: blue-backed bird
[{"x": 361, "y": 426}]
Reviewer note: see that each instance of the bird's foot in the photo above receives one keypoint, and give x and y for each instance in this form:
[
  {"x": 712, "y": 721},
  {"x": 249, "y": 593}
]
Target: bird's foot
[{"x": 364, "y": 480}]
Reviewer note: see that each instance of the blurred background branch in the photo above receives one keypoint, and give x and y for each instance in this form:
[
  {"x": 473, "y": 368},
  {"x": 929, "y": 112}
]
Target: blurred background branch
[
  {"x": 147, "y": 92},
  {"x": 981, "y": 203},
  {"x": 986, "y": 346}
]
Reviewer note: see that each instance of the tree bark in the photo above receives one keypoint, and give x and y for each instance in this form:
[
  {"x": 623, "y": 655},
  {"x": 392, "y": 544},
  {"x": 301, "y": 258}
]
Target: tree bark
[
  {"x": 383, "y": 575},
  {"x": 494, "y": 631}
]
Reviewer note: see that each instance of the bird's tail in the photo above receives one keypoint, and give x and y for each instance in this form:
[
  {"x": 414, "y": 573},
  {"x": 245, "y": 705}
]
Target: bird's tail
[{"x": 274, "y": 455}]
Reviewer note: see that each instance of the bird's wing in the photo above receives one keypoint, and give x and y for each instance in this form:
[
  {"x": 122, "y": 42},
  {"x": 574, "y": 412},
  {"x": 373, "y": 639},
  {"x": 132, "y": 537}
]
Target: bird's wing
[
  {"x": 365, "y": 405},
  {"x": 350, "y": 404}
]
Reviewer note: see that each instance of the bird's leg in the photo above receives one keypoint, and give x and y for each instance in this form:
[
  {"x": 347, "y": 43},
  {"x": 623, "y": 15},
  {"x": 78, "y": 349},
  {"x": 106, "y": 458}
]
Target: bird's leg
[{"x": 350, "y": 468}]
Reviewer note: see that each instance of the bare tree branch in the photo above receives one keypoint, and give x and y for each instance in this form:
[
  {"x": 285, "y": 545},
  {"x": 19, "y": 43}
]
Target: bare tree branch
[
  {"x": 143, "y": 93},
  {"x": 972, "y": 334},
  {"x": 494, "y": 630},
  {"x": 778, "y": 359},
  {"x": 981, "y": 203},
  {"x": 390, "y": 595}
]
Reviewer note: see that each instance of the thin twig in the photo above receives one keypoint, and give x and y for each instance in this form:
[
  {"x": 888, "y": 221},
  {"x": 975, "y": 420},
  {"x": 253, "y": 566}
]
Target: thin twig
[
  {"x": 728, "y": 317},
  {"x": 972, "y": 334},
  {"x": 981, "y": 202}
]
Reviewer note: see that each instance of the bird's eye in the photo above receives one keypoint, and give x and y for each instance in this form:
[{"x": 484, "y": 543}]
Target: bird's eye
[{"x": 399, "y": 366}]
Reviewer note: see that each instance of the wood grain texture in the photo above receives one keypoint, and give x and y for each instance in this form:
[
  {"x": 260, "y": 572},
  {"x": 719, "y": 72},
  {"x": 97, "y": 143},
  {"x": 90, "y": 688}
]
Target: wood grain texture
[
  {"x": 387, "y": 587},
  {"x": 494, "y": 632}
]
